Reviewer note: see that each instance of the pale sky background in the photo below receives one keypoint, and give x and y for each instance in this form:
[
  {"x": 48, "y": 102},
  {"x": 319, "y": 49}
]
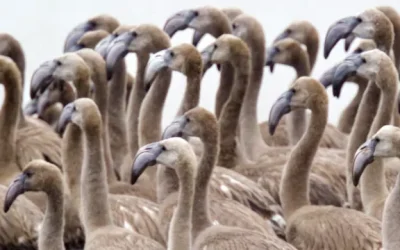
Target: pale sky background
[{"x": 42, "y": 25}]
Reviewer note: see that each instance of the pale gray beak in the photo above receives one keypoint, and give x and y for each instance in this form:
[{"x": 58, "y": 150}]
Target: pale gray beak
[
  {"x": 117, "y": 50},
  {"x": 362, "y": 158},
  {"x": 197, "y": 36},
  {"x": 147, "y": 156},
  {"x": 206, "y": 56},
  {"x": 270, "y": 58},
  {"x": 348, "y": 41},
  {"x": 32, "y": 107},
  {"x": 282, "y": 36},
  {"x": 157, "y": 62},
  {"x": 76, "y": 34},
  {"x": 341, "y": 29},
  {"x": 344, "y": 70},
  {"x": 42, "y": 77},
  {"x": 279, "y": 109},
  {"x": 65, "y": 117},
  {"x": 102, "y": 46},
  {"x": 16, "y": 188},
  {"x": 175, "y": 129},
  {"x": 179, "y": 21}
]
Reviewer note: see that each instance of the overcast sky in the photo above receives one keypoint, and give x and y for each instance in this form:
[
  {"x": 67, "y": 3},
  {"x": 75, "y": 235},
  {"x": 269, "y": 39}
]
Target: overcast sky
[{"x": 42, "y": 25}]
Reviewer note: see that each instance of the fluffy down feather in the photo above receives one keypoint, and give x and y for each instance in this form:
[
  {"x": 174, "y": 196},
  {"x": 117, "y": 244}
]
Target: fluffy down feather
[
  {"x": 112, "y": 237},
  {"x": 328, "y": 227},
  {"x": 220, "y": 238},
  {"x": 36, "y": 141}
]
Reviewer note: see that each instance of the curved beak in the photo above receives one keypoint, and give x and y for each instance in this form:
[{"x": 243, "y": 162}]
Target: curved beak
[
  {"x": 344, "y": 70},
  {"x": 270, "y": 58},
  {"x": 281, "y": 36},
  {"x": 279, "y": 109},
  {"x": 362, "y": 158},
  {"x": 118, "y": 49},
  {"x": 65, "y": 117},
  {"x": 16, "y": 188},
  {"x": 175, "y": 129},
  {"x": 76, "y": 47},
  {"x": 207, "y": 66},
  {"x": 327, "y": 78},
  {"x": 102, "y": 46},
  {"x": 42, "y": 104},
  {"x": 32, "y": 107},
  {"x": 179, "y": 21},
  {"x": 340, "y": 29},
  {"x": 42, "y": 77},
  {"x": 348, "y": 41},
  {"x": 197, "y": 36},
  {"x": 157, "y": 62},
  {"x": 147, "y": 156},
  {"x": 398, "y": 102},
  {"x": 44, "y": 101},
  {"x": 206, "y": 56},
  {"x": 76, "y": 34}
]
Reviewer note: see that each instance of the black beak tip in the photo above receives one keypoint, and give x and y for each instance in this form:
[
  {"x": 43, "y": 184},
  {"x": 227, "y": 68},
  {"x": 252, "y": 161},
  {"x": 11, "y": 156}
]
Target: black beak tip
[
  {"x": 134, "y": 179},
  {"x": 398, "y": 103},
  {"x": 336, "y": 92},
  {"x": 147, "y": 87},
  {"x": 326, "y": 52},
  {"x": 271, "y": 65},
  {"x": 109, "y": 74},
  {"x": 6, "y": 206},
  {"x": 325, "y": 83},
  {"x": 60, "y": 130},
  {"x": 356, "y": 179},
  {"x": 347, "y": 46},
  {"x": 272, "y": 128},
  {"x": 32, "y": 94}
]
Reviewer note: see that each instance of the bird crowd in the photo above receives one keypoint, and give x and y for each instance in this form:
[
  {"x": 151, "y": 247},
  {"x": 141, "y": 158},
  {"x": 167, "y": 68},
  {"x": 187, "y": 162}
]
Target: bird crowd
[{"x": 86, "y": 163}]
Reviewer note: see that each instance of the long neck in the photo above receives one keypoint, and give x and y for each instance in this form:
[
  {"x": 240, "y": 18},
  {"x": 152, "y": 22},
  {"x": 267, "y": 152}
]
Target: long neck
[
  {"x": 396, "y": 114},
  {"x": 229, "y": 120},
  {"x": 101, "y": 99},
  {"x": 117, "y": 126},
  {"x": 391, "y": 219},
  {"x": 166, "y": 177},
  {"x": 297, "y": 119},
  {"x": 179, "y": 235},
  {"x": 151, "y": 111},
  {"x": 17, "y": 55},
  {"x": 373, "y": 182},
  {"x": 348, "y": 115},
  {"x": 72, "y": 157},
  {"x": 359, "y": 133},
  {"x": 51, "y": 234},
  {"x": 150, "y": 117},
  {"x": 225, "y": 87},
  {"x": 94, "y": 188},
  {"x": 227, "y": 76},
  {"x": 135, "y": 101},
  {"x": 167, "y": 182},
  {"x": 250, "y": 133},
  {"x": 312, "y": 49},
  {"x": 82, "y": 87},
  {"x": 201, "y": 216},
  {"x": 192, "y": 94},
  {"x": 396, "y": 43},
  {"x": 9, "y": 122},
  {"x": 294, "y": 184}
]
